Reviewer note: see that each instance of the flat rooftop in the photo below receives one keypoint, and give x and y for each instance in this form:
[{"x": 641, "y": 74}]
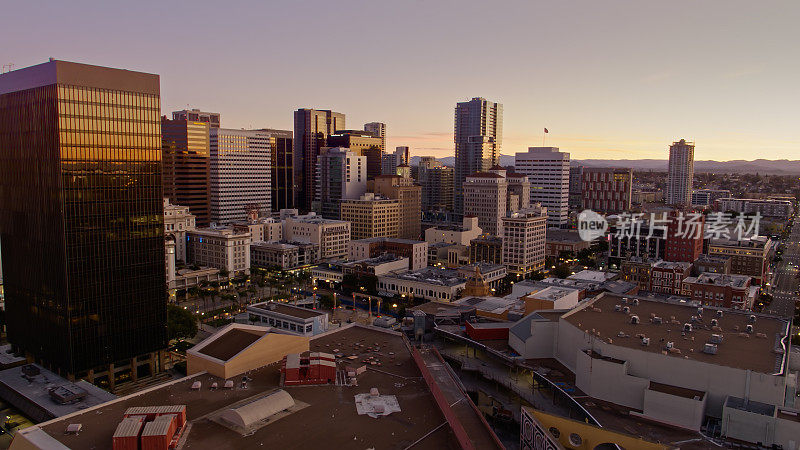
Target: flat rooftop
[
  {"x": 754, "y": 353},
  {"x": 553, "y": 293},
  {"x": 720, "y": 279},
  {"x": 432, "y": 275},
  {"x": 287, "y": 310},
  {"x": 329, "y": 421},
  {"x": 231, "y": 343}
]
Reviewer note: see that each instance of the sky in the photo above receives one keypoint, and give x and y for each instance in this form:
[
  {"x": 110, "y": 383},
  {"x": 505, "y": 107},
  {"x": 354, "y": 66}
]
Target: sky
[{"x": 609, "y": 79}]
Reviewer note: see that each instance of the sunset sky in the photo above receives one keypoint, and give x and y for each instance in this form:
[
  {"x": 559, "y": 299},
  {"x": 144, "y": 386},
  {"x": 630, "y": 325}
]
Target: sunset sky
[{"x": 610, "y": 79}]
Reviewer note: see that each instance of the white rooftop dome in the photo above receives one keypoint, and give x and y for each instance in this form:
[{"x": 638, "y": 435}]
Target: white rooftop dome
[{"x": 258, "y": 410}]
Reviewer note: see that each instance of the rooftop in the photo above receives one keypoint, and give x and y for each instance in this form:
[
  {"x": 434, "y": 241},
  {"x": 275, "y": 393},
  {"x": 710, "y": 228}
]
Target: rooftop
[
  {"x": 329, "y": 420},
  {"x": 230, "y": 343},
  {"x": 389, "y": 239},
  {"x": 592, "y": 275},
  {"x": 431, "y": 275},
  {"x": 494, "y": 305},
  {"x": 485, "y": 175},
  {"x": 762, "y": 351},
  {"x": 720, "y": 279},
  {"x": 288, "y": 310},
  {"x": 553, "y": 293},
  {"x": 672, "y": 265},
  {"x": 556, "y": 235}
]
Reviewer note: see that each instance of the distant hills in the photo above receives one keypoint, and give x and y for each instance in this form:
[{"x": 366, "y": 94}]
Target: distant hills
[{"x": 761, "y": 166}]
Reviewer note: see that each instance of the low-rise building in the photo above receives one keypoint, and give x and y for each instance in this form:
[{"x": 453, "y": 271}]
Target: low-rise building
[
  {"x": 454, "y": 234},
  {"x": 221, "y": 248},
  {"x": 728, "y": 291},
  {"x": 713, "y": 264},
  {"x": 286, "y": 317},
  {"x": 667, "y": 277},
  {"x": 563, "y": 241},
  {"x": 637, "y": 270},
  {"x": 372, "y": 216},
  {"x": 379, "y": 265},
  {"x": 749, "y": 256},
  {"x": 286, "y": 255},
  {"x": 415, "y": 251},
  {"x": 448, "y": 255},
  {"x": 707, "y": 197},
  {"x": 332, "y": 236},
  {"x": 177, "y": 221},
  {"x": 486, "y": 249},
  {"x": 492, "y": 274},
  {"x": 443, "y": 285}
]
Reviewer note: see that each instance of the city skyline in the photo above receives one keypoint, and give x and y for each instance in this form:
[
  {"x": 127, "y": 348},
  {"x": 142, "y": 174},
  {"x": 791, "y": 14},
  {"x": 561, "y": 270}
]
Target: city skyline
[{"x": 581, "y": 73}]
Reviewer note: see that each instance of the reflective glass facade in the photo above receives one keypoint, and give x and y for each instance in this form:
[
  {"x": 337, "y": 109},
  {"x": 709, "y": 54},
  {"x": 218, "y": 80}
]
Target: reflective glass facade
[
  {"x": 81, "y": 219},
  {"x": 186, "y": 165}
]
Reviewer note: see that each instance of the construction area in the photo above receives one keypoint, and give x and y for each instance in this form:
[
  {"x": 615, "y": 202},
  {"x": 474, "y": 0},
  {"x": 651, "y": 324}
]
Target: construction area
[{"x": 385, "y": 395}]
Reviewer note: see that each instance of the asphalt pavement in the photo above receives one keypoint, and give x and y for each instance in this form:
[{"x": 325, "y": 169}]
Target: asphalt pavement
[{"x": 785, "y": 282}]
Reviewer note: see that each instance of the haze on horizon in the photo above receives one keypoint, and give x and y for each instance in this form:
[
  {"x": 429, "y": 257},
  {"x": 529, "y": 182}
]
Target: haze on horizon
[{"x": 611, "y": 80}]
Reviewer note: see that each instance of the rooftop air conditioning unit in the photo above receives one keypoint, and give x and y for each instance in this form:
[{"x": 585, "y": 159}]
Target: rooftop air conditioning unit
[
  {"x": 626, "y": 309},
  {"x": 635, "y": 301},
  {"x": 645, "y": 341},
  {"x": 719, "y": 313},
  {"x": 714, "y": 322},
  {"x": 635, "y": 320},
  {"x": 670, "y": 345},
  {"x": 624, "y": 301},
  {"x": 687, "y": 327},
  {"x": 716, "y": 338},
  {"x": 617, "y": 308},
  {"x": 657, "y": 320},
  {"x": 710, "y": 349},
  {"x": 752, "y": 318},
  {"x": 749, "y": 329},
  {"x": 700, "y": 311}
]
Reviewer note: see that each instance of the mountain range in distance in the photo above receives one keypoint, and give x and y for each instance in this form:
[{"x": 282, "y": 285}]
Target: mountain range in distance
[{"x": 760, "y": 166}]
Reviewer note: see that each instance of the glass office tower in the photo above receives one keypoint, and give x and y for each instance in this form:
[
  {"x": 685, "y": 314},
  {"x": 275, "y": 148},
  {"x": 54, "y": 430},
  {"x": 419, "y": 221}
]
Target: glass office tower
[{"x": 81, "y": 219}]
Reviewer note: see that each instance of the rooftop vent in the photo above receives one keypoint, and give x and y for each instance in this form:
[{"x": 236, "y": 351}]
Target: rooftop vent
[
  {"x": 694, "y": 319},
  {"x": 645, "y": 341},
  {"x": 710, "y": 349},
  {"x": 617, "y": 308},
  {"x": 749, "y": 328},
  {"x": 752, "y": 318},
  {"x": 716, "y": 338},
  {"x": 670, "y": 345},
  {"x": 635, "y": 302},
  {"x": 687, "y": 327},
  {"x": 657, "y": 320},
  {"x": 624, "y": 301},
  {"x": 714, "y": 322},
  {"x": 719, "y": 313},
  {"x": 635, "y": 319},
  {"x": 700, "y": 311},
  {"x": 626, "y": 309}
]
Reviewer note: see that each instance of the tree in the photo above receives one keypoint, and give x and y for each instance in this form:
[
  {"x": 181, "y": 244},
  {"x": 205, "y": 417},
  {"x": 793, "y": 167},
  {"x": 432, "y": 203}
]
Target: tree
[
  {"x": 561, "y": 271},
  {"x": 224, "y": 273},
  {"x": 181, "y": 324}
]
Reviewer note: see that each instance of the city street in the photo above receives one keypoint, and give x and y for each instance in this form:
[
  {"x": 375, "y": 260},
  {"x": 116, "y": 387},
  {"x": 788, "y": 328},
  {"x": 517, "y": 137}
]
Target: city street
[{"x": 785, "y": 281}]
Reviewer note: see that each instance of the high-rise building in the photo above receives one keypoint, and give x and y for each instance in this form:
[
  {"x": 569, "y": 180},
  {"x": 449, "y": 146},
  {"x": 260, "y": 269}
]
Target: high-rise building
[
  {"x": 548, "y": 172},
  {"x": 311, "y": 130},
  {"x": 409, "y": 193},
  {"x": 240, "y": 174},
  {"x": 362, "y": 143},
  {"x": 377, "y": 129},
  {"x": 607, "y": 189},
  {"x": 478, "y": 136},
  {"x": 391, "y": 161},
  {"x": 575, "y": 186},
  {"x": 341, "y": 174},
  {"x": 186, "y": 162},
  {"x": 82, "y": 219},
  {"x": 281, "y": 150},
  {"x": 195, "y": 115},
  {"x": 518, "y": 192},
  {"x": 681, "y": 173},
  {"x": 485, "y": 197},
  {"x": 437, "y": 185},
  {"x": 524, "y": 236},
  {"x": 372, "y": 216}
]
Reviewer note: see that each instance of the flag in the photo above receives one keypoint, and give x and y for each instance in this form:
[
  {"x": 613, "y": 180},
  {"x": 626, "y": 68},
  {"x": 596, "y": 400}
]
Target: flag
[{"x": 545, "y": 130}]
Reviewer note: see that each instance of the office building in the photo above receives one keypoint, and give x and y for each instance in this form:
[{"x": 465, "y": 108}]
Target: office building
[
  {"x": 680, "y": 174},
  {"x": 82, "y": 219},
  {"x": 311, "y": 130},
  {"x": 478, "y": 137},
  {"x": 341, "y": 175},
  {"x": 748, "y": 256},
  {"x": 195, "y": 115},
  {"x": 460, "y": 234},
  {"x": 437, "y": 185},
  {"x": 435, "y": 284},
  {"x": 281, "y": 156},
  {"x": 684, "y": 241},
  {"x": 288, "y": 318},
  {"x": 607, "y": 189},
  {"x": 707, "y": 197},
  {"x": 372, "y": 216},
  {"x": 575, "y": 186},
  {"x": 648, "y": 244},
  {"x": 285, "y": 255},
  {"x": 221, "y": 248},
  {"x": 186, "y": 163},
  {"x": 240, "y": 174},
  {"x": 361, "y": 143},
  {"x": 485, "y": 197},
  {"x": 377, "y": 129},
  {"x": 391, "y": 161},
  {"x": 331, "y": 236},
  {"x": 518, "y": 192},
  {"x": 524, "y": 237},
  {"x": 415, "y": 251},
  {"x": 404, "y": 189},
  {"x": 548, "y": 172}
]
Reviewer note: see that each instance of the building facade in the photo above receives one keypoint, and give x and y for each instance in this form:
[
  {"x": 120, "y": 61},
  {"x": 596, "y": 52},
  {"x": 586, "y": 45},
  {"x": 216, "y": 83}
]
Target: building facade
[
  {"x": 391, "y": 161},
  {"x": 361, "y": 143},
  {"x": 331, "y": 236},
  {"x": 478, "y": 137},
  {"x": 195, "y": 115},
  {"x": 186, "y": 163},
  {"x": 717, "y": 289},
  {"x": 684, "y": 242},
  {"x": 524, "y": 236},
  {"x": 240, "y": 176},
  {"x": 548, "y": 171},
  {"x": 372, "y": 216},
  {"x": 221, "y": 248},
  {"x": 486, "y": 249},
  {"x": 606, "y": 190},
  {"x": 378, "y": 129},
  {"x": 281, "y": 151},
  {"x": 415, "y": 251},
  {"x": 748, "y": 257},
  {"x": 485, "y": 197},
  {"x": 311, "y": 130},
  {"x": 286, "y": 255},
  {"x": 341, "y": 175},
  {"x": 707, "y": 197},
  {"x": 437, "y": 185},
  {"x": 82, "y": 218},
  {"x": 404, "y": 189},
  {"x": 681, "y": 173},
  {"x": 575, "y": 186},
  {"x": 177, "y": 221}
]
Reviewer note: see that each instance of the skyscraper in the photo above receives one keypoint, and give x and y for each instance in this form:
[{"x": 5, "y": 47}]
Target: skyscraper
[
  {"x": 548, "y": 172},
  {"x": 377, "y": 129},
  {"x": 478, "y": 136},
  {"x": 341, "y": 175},
  {"x": 409, "y": 193},
  {"x": 437, "y": 185},
  {"x": 281, "y": 150},
  {"x": 362, "y": 143},
  {"x": 311, "y": 130},
  {"x": 390, "y": 161},
  {"x": 186, "y": 163},
  {"x": 195, "y": 115},
  {"x": 240, "y": 174},
  {"x": 81, "y": 219},
  {"x": 681, "y": 173},
  {"x": 485, "y": 197}
]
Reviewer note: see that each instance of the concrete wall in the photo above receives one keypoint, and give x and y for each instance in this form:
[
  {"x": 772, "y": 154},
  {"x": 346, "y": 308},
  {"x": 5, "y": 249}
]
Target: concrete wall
[
  {"x": 747, "y": 426},
  {"x": 269, "y": 349},
  {"x": 609, "y": 381},
  {"x": 679, "y": 411},
  {"x": 539, "y": 344}
]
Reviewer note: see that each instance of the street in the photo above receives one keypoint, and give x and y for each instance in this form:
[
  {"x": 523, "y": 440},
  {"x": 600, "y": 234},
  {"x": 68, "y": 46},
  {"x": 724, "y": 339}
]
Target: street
[{"x": 785, "y": 281}]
